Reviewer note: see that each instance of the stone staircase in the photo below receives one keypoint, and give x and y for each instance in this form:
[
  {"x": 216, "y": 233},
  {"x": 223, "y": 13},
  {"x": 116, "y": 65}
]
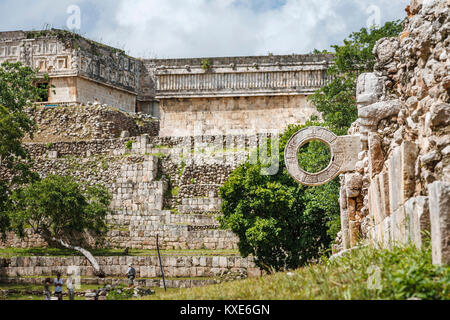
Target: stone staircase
[{"x": 138, "y": 198}]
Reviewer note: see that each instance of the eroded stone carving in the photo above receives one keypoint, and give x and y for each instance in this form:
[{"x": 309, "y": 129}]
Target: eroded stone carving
[{"x": 344, "y": 155}]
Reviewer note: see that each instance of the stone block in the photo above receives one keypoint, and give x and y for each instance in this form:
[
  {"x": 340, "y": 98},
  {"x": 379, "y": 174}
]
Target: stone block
[
  {"x": 402, "y": 174},
  {"x": 223, "y": 262},
  {"x": 399, "y": 227},
  {"x": 376, "y": 206},
  {"x": 439, "y": 205},
  {"x": 379, "y": 233},
  {"x": 387, "y": 236},
  {"x": 355, "y": 233},
  {"x": 376, "y": 157},
  {"x": 417, "y": 211},
  {"x": 353, "y": 184},
  {"x": 383, "y": 178},
  {"x": 375, "y": 112}
]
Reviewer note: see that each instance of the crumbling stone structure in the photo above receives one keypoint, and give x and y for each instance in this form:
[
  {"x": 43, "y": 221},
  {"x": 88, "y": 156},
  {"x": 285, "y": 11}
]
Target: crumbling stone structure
[
  {"x": 401, "y": 185},
  {"x": 241, "y": 95}
]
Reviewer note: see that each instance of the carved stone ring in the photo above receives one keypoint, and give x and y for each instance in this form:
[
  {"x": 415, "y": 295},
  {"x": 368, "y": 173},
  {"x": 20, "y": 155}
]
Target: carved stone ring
[{"x": 344, "y": 155}]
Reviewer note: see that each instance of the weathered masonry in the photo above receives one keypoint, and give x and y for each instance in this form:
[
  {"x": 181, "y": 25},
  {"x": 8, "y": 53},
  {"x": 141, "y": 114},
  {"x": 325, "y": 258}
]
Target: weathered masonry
[
  {"x": 236, "y": 95},
  {"x": 240, "y": 95},
  {"x": 399, "y": 190}
]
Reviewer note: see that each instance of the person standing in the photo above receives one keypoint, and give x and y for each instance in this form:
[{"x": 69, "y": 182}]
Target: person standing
[
  {"x": 47, "y": 293},
  {"x": 58, "y": 282},
  {"x": 131, "y": 273},
  {"x": 70, "y": 289}
]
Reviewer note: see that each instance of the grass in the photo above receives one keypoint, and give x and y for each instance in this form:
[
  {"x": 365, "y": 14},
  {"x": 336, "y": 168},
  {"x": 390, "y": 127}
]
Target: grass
[
  {"x": 53, "y": 252},
  {"x": 363, "y": 274}
]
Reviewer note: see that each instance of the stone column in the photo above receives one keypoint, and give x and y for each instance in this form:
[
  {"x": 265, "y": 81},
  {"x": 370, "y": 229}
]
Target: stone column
[{"x": 439, "y": 203}]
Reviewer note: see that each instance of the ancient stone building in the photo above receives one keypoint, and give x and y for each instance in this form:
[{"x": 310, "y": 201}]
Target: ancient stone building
[
  {"x": 191, "y": 96},
  {"x": 400, "y": 187}
]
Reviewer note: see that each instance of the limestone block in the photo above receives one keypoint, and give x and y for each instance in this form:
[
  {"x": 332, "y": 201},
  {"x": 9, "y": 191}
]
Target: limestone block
[
  {"x": 378, "y": 111},
  {"x": 439, "y": 204},
  {"x": 379, "y": 231},
  {"x": 355, "y": 233},
  {"x": 399, "y": 227},
  {"x": 52, "y": 154},
  {"x": 376, "y": 206},
  {"x": 223, "y": 262},
  {"x": 376, "y": 157},
  {"x": 417, "y": 211},
  {"x": 254, "y": 272},
  {"x": 387, "y": 236},
  {"x": 353, "y": 184},
  {"x": 401, "y": 168},
  {"x": 385, "y": 49}
]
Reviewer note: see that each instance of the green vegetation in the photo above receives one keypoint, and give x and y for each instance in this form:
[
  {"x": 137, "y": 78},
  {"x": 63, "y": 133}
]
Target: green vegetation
[
  {"x": 129, "y": 144},
  {"x": 206, "y": 64},
  {"x": 280, "y": 222},
  {"x": 181, "y": 168},
  {"x": 174, "y": 192},
  {"x": 336, "y": 101},
  {"x": 59, "y": 210},
  {"x": 159, "y": 155},
  {"x": 62, "y": 212},
  {"x": 17, "y": 93},
  {"x": 363, "y": 274}
]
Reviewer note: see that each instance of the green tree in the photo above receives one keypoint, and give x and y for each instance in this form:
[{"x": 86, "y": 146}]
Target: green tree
[
  {"x": 336, "y": 101},
  {"x": 18, "y": 91},
  {"x": 280, "y": 222},
  {"x": 61, "y": 212}
]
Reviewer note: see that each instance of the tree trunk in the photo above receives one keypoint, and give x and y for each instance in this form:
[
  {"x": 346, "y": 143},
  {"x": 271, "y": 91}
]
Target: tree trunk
[{"x": 97, "y": 270}]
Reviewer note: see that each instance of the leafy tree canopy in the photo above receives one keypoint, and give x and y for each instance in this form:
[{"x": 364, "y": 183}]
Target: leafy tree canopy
[
  {"x": 59, "y": 208},
  {"x": 336, "y": 101},
  {"x": 18, "y": 91},
  {"x": 280, "y": 222}
]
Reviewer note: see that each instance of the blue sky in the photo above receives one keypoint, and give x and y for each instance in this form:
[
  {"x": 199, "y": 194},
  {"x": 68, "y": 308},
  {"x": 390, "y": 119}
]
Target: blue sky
[{"x": 198, "y": 28}]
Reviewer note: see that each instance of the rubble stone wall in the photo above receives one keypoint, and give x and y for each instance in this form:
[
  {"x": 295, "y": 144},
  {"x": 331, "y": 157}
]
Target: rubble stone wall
[
  {"x": 169, "y": 189},
  {"x": 115, "y": 266}
]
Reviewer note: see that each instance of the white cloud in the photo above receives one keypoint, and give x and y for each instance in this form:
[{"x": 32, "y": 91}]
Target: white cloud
[{"x": 193, "y": 28}]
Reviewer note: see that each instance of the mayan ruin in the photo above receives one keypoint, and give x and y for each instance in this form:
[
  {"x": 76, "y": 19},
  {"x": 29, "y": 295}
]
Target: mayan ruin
[{"x": 173, "y": 142}]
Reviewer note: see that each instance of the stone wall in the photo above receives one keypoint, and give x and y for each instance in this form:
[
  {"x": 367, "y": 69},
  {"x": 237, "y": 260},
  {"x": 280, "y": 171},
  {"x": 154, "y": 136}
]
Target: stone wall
[
  {"x": 401, "y": 185},
  {"x": 227, "y": 115},
  {"x": 90, "y": 91},
  {"x": 115, "y": 266},
  {"x": 88, "y": 123},
  {"x": 81, "y": 70},
  {"x": 160, "y": 186}
]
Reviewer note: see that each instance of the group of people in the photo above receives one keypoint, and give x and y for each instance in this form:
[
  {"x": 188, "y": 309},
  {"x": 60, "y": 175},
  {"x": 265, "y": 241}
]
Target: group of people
[{"x": 58, "y": 284}]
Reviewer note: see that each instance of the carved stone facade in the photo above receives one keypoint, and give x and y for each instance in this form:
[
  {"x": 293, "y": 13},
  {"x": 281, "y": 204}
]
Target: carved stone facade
[
  {"x": 75, "y": 66},
  {"x": 241, "y": 95},
  {"x": 400, "y": 187}
]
